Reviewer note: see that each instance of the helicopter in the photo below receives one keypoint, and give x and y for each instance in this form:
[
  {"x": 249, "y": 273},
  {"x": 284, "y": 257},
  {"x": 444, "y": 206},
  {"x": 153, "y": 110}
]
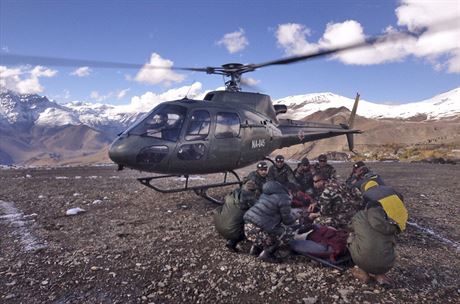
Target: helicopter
[{"x": 225, "y": 131}]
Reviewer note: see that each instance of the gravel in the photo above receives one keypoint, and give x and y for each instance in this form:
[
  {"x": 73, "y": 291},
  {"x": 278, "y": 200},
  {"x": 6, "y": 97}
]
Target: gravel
[{"x": 133, "y": 245}]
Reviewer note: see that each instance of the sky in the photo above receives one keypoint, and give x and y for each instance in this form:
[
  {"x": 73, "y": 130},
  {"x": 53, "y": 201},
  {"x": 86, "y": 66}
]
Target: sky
[{"x": 203, "y": 33}]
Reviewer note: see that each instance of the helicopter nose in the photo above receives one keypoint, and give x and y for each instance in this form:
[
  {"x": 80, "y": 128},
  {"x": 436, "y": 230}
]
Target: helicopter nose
[{"x": 120, "y": 152}]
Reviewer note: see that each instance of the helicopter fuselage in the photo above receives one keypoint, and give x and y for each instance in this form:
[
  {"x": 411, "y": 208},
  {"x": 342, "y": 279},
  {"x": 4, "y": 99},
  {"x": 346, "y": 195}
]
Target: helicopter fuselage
[
  {"x": 225, "y": 131},
  {"x": 217, "y": 134}
]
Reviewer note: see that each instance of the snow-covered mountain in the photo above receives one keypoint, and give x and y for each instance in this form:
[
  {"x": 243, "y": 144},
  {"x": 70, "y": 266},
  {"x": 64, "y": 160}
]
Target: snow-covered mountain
[
  {"x": 36, "y": 130},
  {"x": 24, "y": 111},
  {"x": 446, "y": 105}
]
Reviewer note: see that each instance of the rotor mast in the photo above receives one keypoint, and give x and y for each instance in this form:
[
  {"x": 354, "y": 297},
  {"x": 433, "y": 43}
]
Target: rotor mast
[{"x": 234, "y": 71}]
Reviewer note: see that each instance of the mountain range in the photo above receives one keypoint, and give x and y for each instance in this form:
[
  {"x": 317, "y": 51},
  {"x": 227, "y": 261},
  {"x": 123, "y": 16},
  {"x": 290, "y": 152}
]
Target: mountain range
[{"x": 37, "y": 131}]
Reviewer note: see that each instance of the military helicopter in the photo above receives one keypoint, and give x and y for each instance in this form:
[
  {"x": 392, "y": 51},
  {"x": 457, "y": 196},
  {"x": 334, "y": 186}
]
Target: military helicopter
[{"x": 225, "y": 131}]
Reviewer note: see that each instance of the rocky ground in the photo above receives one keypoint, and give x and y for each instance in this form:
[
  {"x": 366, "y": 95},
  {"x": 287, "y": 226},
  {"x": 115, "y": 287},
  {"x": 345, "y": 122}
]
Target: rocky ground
[{"x": 133, "y": 245}]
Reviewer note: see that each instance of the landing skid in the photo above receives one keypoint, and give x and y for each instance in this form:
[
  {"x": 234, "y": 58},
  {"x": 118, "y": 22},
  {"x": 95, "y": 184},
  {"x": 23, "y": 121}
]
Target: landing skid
[{"x": 200, "y": 190}]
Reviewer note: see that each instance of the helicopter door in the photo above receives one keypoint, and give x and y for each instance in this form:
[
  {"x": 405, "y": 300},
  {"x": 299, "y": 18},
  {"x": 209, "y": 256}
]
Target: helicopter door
[
  {"x": 225, "y": 148},
  {"x": 195, "y": 145}
]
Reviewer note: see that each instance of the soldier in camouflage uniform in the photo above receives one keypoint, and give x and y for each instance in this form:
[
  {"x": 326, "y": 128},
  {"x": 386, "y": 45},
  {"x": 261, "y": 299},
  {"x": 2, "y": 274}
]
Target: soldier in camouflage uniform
[
  {"x": 281, "y": 172},
  {"x": 259, "y": 177},
  {"x": 304, "y": 176},
  {"x": 323, "y": 168},
  {"x": 336, "y": 206}
]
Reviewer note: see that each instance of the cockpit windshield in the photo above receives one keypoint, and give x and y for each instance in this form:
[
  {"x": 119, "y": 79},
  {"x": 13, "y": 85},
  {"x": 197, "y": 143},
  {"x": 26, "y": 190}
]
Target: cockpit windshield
[{"x": 165, "y": 122}]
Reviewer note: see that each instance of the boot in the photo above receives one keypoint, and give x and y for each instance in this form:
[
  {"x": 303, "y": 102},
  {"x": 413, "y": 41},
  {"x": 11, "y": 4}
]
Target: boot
[
  {"x": 360, "y": 274},
  {"x": 384, "y": 281},
  {"x": 255, "y": 250},
  {"x": 268, "y": 256},
  {"x": 231, "y": 245}
]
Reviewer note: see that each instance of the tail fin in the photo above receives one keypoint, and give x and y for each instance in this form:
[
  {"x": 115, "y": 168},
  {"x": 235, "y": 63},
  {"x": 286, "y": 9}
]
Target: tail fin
[
  {"x": 351, "y": 120},
  {"x": 350, "y": 140}
]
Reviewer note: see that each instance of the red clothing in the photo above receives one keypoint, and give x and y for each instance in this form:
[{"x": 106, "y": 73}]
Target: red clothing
[
  {"x": 336, "y": 239},
  {"x": 301, "y": 200}
]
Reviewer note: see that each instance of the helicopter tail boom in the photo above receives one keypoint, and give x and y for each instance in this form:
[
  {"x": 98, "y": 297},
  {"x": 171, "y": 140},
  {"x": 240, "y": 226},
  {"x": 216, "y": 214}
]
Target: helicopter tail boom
[{"x": 298, "y": 134}]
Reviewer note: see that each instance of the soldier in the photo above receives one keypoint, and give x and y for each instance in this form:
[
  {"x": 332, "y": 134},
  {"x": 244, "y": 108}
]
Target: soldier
[
  {"x": 228, "y": 218},
  {"x": 304, "y": 176},
  {"x": 323, "y": 168},
  {"x": 281, "y": 172},
  {"x": 268, "y": 222},
  {"x": 353, "y": 176},
  {"x": 335, "y": 205},
  {"x": 361, "y": 175},
  {"x": 259, "y": 176},
  {"x": 373, "y": 233}
]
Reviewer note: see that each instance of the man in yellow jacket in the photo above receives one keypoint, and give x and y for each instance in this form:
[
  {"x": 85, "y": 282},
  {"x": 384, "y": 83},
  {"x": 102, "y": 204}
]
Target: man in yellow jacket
[{"x": 373, "y": 233}]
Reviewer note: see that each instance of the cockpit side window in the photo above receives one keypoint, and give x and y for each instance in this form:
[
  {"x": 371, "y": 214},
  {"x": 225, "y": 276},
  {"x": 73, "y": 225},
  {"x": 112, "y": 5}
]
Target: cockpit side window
[
  {"x": 228, "y": 125},
  {"x": 199, "y": 124},
  {"x": 165, "y": 122}
]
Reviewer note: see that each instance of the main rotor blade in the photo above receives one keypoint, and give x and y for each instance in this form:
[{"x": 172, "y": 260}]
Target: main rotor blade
[
  {"x": 17, "y": 59},
  {"x": 325, "y": 52},
  {"x": 397, "y": 36}
]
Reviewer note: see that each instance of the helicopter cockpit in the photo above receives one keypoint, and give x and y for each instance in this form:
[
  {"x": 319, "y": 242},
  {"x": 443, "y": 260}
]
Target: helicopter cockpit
[
  {"x": 180, "y": 136},
  {"x": 165, "y": 122}
]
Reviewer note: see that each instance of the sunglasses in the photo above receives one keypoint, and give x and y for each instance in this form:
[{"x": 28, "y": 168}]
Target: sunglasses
[
  {"x": 280, "y": 161},
  {"x": 322, "y": 161}
]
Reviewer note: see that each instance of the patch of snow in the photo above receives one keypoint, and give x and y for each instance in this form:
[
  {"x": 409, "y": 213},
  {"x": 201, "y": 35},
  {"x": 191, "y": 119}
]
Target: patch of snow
[
  {"x": 74, "y": 211},
  {"x": 16, "y": 220},
  {"x": 431, "y": 232},
  {"x": 191, "y": 177}
]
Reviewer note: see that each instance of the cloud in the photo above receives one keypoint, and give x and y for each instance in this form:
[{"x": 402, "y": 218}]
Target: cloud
[
  {"x": 65, "y": 94},
  {"x": 234, "y": 42},
  {"x": 149, "y": 100},
  {"x": 440, "y": 19},
  {"x": 98, "y": 97},
  {"x": 249, "y": 81},
  {"x": 122, "y": 93},
  {"x": 292, "y": 37},
  {"x": 119, "y": 94},
  {"x": 437, "y": 44},
  {"x": 81, "y": 72},
  {"x": 24, "y": 80},
  {"x": 151, "y": 74}
]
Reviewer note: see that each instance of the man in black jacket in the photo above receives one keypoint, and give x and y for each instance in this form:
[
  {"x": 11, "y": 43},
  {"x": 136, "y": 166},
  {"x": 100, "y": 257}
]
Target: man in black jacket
[{"x": 267, "y": 223}]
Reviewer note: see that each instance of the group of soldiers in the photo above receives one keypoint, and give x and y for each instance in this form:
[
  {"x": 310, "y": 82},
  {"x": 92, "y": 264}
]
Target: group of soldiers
[{"x": 276, "y": 203}]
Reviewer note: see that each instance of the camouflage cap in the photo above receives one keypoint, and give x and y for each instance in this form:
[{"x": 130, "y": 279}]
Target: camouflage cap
[
  {"x": 262, "y": 165},
  {"x": 304, "y": 161},
  {"x": 322, "y": 157},
  {"x": 359, "y": 164}
]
